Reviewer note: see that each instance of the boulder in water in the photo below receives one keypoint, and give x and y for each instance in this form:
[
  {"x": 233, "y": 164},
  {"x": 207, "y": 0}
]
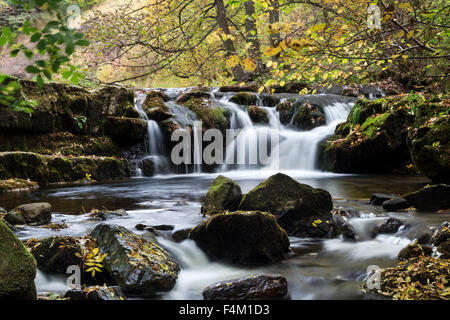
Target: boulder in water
[
  {"x": 242, "y": 237},
  {"x": 430, "y": 198},
  {"x": 258, "y": 115},
  {"x": 260, "y": 287},
  {"x": 17, "y": 267},
  {"x": 396, "y": 204},
  {"x": 107, "y": 214},
  {"x": 224, "y": 194},
  {"x": 95, "y": 294},
  {"x": 377, "y": 199},
  {"x": 139, "y": 267},
  {"x": 244, "y": 98},
  {"x": 155, "y": 108},
  {"x": 185, "y": 97},
  {"x": 308, "y": 116},
  {"x": 341, "y": 227},
  {"x": 300, "y": 209},
  {"x": 181, "y": 235},
  {"x": 35, "y": 213},
  {"x": 391, "y": 225},
  {"x": 14, "y": 218}
]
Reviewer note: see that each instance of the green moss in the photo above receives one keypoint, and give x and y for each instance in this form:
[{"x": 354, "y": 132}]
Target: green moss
[
  {"x": 224, "y": 194},
  {"x": 17, "y": 267},
  {"x": 211, "y": 117},
  {"x": 374, "y": 124},
  {"x": 16, "y": 184}
]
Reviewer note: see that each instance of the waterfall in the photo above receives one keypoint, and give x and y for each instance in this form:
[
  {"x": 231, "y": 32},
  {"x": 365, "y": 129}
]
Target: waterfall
[
  {"x": 296, "y": 150},
  {"x": 154, "y": 145}
]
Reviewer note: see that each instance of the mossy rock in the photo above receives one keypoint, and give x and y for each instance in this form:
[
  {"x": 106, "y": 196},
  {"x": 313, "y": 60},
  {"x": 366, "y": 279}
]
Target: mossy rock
[
  {"x": 185, "y": 97},
  {"x": 17, "y": 267},
  {"x": 139, "y": 267},
  {"x": 224, "y": 194},
  {"x": 17, "y": 185},
  {"x": 244, "y": 98},
  {"x": 155, "y": 108},
  {"x": 300, "y": 209},
  {"x": 377, "y": 145},
  {"x": 286, "y": 110},
  {"x": 258, "y": 115},
  {"x": 126, "y": 131},
  {"x": 242, "y": 237},
  {"x": 430, "y": 149},
  {"x": 56, "y": 254},
  {"x": 308, "y": 116},
  {"x": 211, "y": 117},
  {"x": 430, "y": 198}
]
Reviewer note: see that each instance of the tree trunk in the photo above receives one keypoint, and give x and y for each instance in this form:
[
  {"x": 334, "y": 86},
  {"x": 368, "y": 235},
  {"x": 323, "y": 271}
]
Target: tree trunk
[
  {"x": 274, "y": 17},
  {"x": 228, "y": 44},
  {"x": 252, "y": 35}
]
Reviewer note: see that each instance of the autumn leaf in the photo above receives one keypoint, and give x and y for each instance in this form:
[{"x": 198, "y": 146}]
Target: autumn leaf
[{"x": 249, "y": 64}]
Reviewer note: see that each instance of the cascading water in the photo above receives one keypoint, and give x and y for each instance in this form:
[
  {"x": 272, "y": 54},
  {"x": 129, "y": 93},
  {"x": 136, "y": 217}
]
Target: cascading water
[
  {"x": 154, "y": 144},
  {"x": 296, "y": 150}
]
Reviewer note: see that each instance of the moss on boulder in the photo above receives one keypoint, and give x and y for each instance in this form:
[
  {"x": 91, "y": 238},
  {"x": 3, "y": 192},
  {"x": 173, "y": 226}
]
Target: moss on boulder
[
  {"x": 17, "y": 267},
  {"x": 15, "y": 184},
  {"x": 155, "y": 108},
  {"x": 300, "y": 209},
  {"x": 224, "y": 194},
  {"x": 211, "y": 117},
  {"x": 244, "y": 98},
  {"x": 258, "y": 115},
  {"x": 140, "y": 267},
  {"x": 126, "y": 130},
  {"x": 431, "y": 198},
  {"x": 242, "y": 237}
]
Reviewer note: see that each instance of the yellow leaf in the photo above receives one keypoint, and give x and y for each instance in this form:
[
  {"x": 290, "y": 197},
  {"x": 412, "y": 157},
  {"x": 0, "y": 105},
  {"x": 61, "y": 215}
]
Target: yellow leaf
[
  {"x": 271, "y": 51},
  {"x": 249, "y": 64},
  {"x": 95, "y": 251},
  {"x": 232, "y": 61}
]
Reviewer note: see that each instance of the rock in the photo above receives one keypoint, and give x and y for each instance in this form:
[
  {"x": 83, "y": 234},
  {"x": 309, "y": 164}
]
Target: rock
[
  {"x": 245, "y": 88},
  {"x": 441, "y": 235},
  {"x": 269, "y": 100},
  {"x": 224, "y": 194},
  {"x": 35, "y": 213},
  {"x": 163, "y": 227},
  {"x": 391, "y": 225},
  {"x": 126, "y": 130},
  {"x": 181, "y": 235},
  {"x": 185, "y": 97},
  {"x": 444, "y": 249},
  {"x": 413, "y": 251},
  {"x": 430, "y": 198},
  {"x": 17, "y": 268},
  {"x": 396, "y": 204},
  {"x": 212, "y": 117},
  {"x": 15, "y": 184},
  {"x": 95, "y": 294},
  {"x": 56, "y": 254},
  {"x": 138, "y": 266},
  {"x": 54, "y": 169},
  {"x": 107, "y": 214},
  {"x": 376, "y": 142},
  {"x": 429, "y": 144},
  {"x": 15, "y": 219},
  {"x": 242, "y": 237},
  {"x": 342, "y": 226},
  {"x": 308, "y": 116},
  {"x": 155, "y": 108},
  {"x": 258, "y": 287},
  {"x": 377, "y": 199},
  {"x": 286, "y": 110},
  {"x": 2, "y": 210},
  {"x": 244, "y": 98},
  {"x": 258, "y": 115},
  {"x": 300, "y": 209}
]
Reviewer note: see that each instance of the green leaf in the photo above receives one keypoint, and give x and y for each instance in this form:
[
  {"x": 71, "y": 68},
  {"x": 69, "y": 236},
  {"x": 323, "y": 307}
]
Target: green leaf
[
  {"x": 40, "y": 81},
  {"x": 32, "y": 69}
]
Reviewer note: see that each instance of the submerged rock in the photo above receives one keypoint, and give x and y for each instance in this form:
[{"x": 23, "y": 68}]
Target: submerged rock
[
  {"x": 95, "y": 294},
  {"x": 17, "y": 268},
  {"x": 140, "y": 267},
  {"x": 35, "y": 213},
  {"x": 242, "y": 237},
  {"x": 377, "y": 199},
  {"x": 107, "y": 214},
  {"x": 299, "y": 209},
  {"x": 430, "y": 198},
  {"x": 224, "y": 194},
  {"x": 252, "y": 288},
  {"x": 181, "y": 235}
]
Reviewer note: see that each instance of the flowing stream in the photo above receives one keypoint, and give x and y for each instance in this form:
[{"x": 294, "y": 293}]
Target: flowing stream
[{"x": 316, "y": 268}]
